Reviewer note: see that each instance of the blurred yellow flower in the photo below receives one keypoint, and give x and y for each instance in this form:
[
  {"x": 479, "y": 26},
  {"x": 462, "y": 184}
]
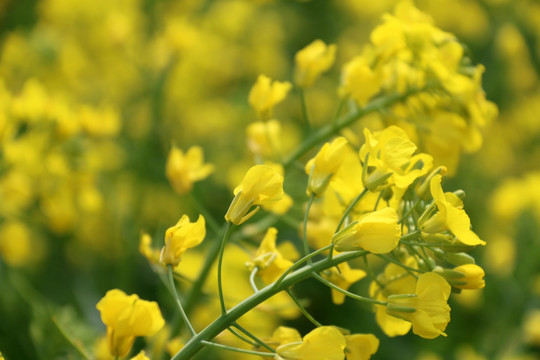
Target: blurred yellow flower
[
  {"x": 323, "y": 343},
  {"x": 377, "y": 232},
  {"x": 146, "y": 250},
  {"x": 312, "y": 61},
  {"x": 268, "y": 260},
  {"x": 127, "y": 316},
  {"x": 324, "y": 165},
  {"x": 450, "y": 216},
  {"x": 264, "y": 138},
  {"x": 342, "y": 277},
  {"x": 184, "y": 170},
  {"x": 359, "y": 81},
  {"x": 427, "y": 309},
  {"x": 140, "y": 356},
  {"x": 261, "y": 185},
  {"x": 180, "y": 237},
  {"x": 265, "y": 94},
  {"x": 361, "y": 346}
]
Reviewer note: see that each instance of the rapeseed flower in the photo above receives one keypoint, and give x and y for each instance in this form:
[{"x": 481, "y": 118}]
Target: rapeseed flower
[
  {"x": 312, "y": 61},
  {"x": 261, "y": 185},
  {"x": 180, "y": 237},
  {"x": 427, "y": 309},
  {"x": 361, "y": 346},
  {"x": 265, "y": 94},
  {"x": 126, "y": 317},
  {"x": 323, "y": 343},
  {"x": 183, "y": 170},
  {"x": 377, "y": 232},
  {"x": 324, "y": 165},
  {"x": 359, "y": 81},
  {"x": 343, "y": 277},
  {"x": 473, "y": 277}
]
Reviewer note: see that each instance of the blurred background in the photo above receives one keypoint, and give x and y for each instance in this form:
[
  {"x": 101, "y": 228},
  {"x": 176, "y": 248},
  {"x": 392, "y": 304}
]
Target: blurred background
[{"x": 93, "y": 93}]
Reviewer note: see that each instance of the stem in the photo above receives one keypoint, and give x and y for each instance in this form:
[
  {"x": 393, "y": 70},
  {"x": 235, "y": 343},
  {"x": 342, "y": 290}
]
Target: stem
[
  {"x": 409, "y": 210},
  {"x": 172, "y": 288},
  {"x": 302, "y": 308},
  {"x": 196, "y": 290},
  {"x": 411, "y": 235},
  {"x": 349, "y": 294},
  {"x": 195, "y": 344},
  {"x": 69, "y": 339},
  {"x": 252, "y": 279},
  {"x": 389, "y": 259},
  {"x": 253, "y": 337},
  {"x": 304, "y": 228},
  {"x": 220, "y": 262},
  {"x": 230, "y": 348},
  {"x": 347, "y": 120},
  {"x": 241, "y": 337},
  {"x": 300, "y": 262},
  {"x": 338, "y": 112},
  {"x": 371, "y": 274}
]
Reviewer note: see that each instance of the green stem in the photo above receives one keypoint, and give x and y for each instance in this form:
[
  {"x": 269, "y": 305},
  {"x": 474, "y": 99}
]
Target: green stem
[
  {"x": 305, "y": 115},
  {"x": 69, "y": 339},
  {"x": 196, "y": 290},
  {"x": 304, "y": 227},
  {"x": 172, "y": 288},
  {"x": 349, "y": 294},
  {"x": 243, "y": 351},
  {"x": 338, "y": 111},
  {"x": 409, "y": 210},
  {"x": 389, "y": 259},
  {"x": 300, "y": 262},
  {"x": 371, "y": 274},
  {"x": 253, "y": 337},
  {"x": 409, "y": 236},
  {"x": 302, "y": 308},
  {"x": 241, "y": 337},
  {"x": 220, "y": 264},
  {"x": 347, "y": 120},
  {"x": 195, "y": 344},
  {"x": 252, "y": 278}
]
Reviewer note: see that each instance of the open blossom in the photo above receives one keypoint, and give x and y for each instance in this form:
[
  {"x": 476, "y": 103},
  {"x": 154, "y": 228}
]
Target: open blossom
[
  {"x": 265, "y": 94},
  {"x": 377, "y": 232},
  {"x": 361, "y": 346},
  {"x": 359, "y": 81},
  {"x": 312, "y": 61},
  {"x": 261, "y": 185},
  {"x": 389, "y": 154},
  {"x": 427, "y": 309},
  {"x": 450, "y": 216},
  {"x": 126, "y": 317},
  {"x": 324, "y": 165},
  {"x": 180, "y": 237},
  {"x": 323, "y": 343},
  {"x": 183, "y": 170},
  {"x": 268, "y": 260}
]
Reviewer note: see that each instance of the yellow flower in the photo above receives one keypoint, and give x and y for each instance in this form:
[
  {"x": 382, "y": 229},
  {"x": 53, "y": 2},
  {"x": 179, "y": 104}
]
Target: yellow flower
[
  {"x": 473, "y": 277},
  {"x": 184, "y": 170},
  {"x": 377, "y": 232},
  {"x": 394, "y": 280},
  {"x": 359, "y": 80},
  {"x": 361, "y": 346},
  {"x": 261, "y": 185},
  {"x": 390, "y": 154},
  {"x": 146, "y": 250},
  {"x": 140, "y": 356},
  {"x": 323, "y": 343},
  {"x": 450, "y": 216},
  {"x": 282, "y": 205},
  {"x": 321, "y": 168},
  {"x": 427, "y": 309},
  {"x": 180, "y": 237},
  {"x": 269, "y": 261},
  {"x": 263, "y": 138},
  {"x": 284, "y": 335},
  {"x": 127, "y": 316},
  {"x": 265, "y": 94},
  {"x": 312, "y": 61},
  {"x": 343, "y": 278}
]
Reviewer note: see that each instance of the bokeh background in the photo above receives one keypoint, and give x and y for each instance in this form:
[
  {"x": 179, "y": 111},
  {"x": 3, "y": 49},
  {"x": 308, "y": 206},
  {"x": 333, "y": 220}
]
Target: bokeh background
[{"x": 93, "y": 93}]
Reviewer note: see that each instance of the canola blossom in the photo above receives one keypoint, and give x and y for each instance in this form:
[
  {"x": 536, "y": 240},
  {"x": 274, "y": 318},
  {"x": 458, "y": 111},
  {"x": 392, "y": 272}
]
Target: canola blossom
[{"x": 316, "y": 187}]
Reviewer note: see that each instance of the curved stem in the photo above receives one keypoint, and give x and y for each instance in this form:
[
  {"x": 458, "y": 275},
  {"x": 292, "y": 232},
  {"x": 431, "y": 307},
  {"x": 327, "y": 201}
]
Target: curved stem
[
  {"x": 230, "y": 348},
  {"x": 220, "y": 264},
  {"x": 252, "y": 278},
  {"x": 256, "y": 339},
  {"x": 172, "y": 288},
  {"x": 241, "y": 337},
  {"x": 195, "y": 344},
  {"x": 302, "y": 308},
  {"x": 349, "y": 294},
  {"x": 304, "y": 227}
]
